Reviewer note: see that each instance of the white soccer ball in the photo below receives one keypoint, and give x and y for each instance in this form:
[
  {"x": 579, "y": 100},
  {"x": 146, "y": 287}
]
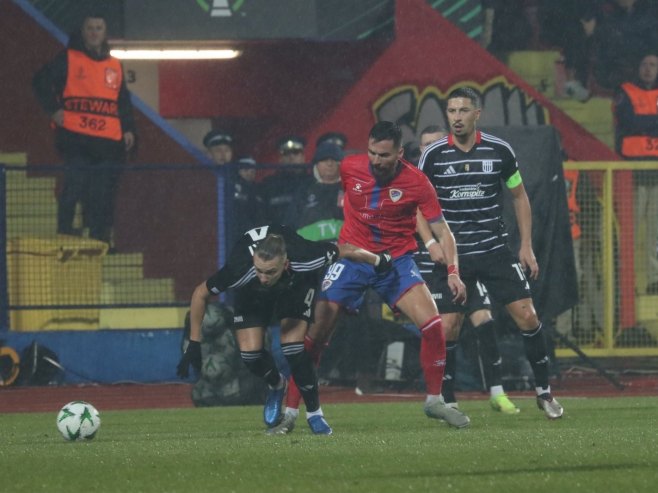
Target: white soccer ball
[{"x": 78, "y": 420}]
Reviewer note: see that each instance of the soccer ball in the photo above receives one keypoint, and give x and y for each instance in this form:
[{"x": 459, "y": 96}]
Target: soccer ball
[{"x": 78, "y": 420}]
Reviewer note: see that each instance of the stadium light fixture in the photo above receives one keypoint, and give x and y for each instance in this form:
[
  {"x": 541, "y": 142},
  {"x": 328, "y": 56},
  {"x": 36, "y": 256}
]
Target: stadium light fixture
[{"x": 174, "y": 54}]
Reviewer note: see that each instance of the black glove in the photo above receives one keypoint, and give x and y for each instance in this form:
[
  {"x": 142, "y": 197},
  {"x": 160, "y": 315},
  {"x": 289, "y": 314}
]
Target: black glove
[
  {"x": 385, "y": 262},
  {"x": 191, "y": 356}
]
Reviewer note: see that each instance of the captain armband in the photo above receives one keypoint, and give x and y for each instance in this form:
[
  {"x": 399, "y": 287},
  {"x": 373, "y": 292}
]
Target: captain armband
[{"x": 514, "y": 180}]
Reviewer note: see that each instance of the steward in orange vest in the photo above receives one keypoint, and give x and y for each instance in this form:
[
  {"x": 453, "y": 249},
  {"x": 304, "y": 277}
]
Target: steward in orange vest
[
  {"x": 83, "y": 89},
  {"x": 89, "y": 87},
  {"x": 571, "y": 181},
  {"x": 636, "y": 113}
]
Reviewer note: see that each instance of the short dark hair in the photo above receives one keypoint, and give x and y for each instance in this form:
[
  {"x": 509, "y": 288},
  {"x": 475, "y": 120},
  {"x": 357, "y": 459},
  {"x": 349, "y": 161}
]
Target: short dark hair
[
  {"x": 386, "y": 131},
  {"x": 468, "y": 93},
  {"x": 432, "y": 129},
  {"x": 271, "y": 247}
]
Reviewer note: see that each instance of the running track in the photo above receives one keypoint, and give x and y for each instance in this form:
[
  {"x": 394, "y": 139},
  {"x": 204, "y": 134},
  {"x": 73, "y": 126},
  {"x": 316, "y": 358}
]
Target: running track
[{"x": 177, "y": 395}]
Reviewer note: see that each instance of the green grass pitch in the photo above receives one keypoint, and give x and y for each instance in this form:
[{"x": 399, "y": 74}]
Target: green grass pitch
[{"x": 601, "y": 444}]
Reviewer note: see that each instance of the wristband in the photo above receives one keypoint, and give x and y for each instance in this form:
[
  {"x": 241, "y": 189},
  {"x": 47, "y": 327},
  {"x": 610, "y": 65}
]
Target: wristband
[
  {"x": 453, "y": 270},
  {"x": 429, "y": 243}
]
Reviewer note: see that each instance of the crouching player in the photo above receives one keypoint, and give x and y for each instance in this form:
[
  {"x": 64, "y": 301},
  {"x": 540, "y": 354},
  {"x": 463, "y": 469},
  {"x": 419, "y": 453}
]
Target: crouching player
[{"x": 274, "y": 273}]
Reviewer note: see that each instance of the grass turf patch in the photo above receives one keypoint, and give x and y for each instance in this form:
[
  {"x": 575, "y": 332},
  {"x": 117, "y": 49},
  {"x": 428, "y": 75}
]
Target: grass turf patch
[{"x": 601, "y": 444}]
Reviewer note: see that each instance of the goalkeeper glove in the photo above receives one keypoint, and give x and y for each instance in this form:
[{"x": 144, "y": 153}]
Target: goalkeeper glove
[{"x": 191, "y": 356}]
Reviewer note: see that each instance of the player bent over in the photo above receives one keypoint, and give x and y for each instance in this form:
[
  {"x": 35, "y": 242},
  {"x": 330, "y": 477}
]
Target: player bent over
[
  {"x": 382, "y": 196},
  {"x": 275, "y": 273}
]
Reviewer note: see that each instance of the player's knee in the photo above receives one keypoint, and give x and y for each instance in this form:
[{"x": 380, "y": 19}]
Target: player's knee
[
  {"x": 451, "y": 331},
  {"x": 528, "y": 321},
  {"x": 524, "y": 314}
]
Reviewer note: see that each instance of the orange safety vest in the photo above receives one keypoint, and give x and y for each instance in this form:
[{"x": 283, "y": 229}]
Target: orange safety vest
[
  {"x": 645, "y": 102},
  {"x": 91, "y": 96},
  {"x": 571, "y": 179}
]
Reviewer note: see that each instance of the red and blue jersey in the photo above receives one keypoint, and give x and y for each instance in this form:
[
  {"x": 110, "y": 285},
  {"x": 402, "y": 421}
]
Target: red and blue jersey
[{"x": 382, "y": 216}]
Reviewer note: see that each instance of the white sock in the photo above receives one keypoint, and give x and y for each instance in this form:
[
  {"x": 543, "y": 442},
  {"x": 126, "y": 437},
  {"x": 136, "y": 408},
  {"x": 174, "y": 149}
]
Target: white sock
[
  {"x": 314, "y": 413},
  {"x": 496, "y": 390},
  {"x": 292, "y": 411},
  {"x": 542, "y": 390},
  {"x": 432, "y": 398}
]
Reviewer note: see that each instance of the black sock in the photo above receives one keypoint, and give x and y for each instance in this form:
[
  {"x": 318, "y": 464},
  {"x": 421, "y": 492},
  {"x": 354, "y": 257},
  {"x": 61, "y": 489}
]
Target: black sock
[
  {"x": 448, "y": 388},
  {"x": 488, "y": 348},
  {"x": 303, "y": 371},
  {"x": 261, "y": 363},
  {"x": 535, "y": 351}
]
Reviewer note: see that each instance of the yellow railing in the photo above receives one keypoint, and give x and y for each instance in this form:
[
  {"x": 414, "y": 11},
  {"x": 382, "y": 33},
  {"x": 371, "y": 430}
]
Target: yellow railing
[{"x": 627, "y": 327}]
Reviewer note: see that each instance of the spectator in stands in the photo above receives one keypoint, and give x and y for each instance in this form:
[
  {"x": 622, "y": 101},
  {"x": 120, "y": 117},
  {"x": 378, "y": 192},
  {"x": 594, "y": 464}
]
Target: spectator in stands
[
  {"x": 248, "y": 207},
  {"x": 627, "y": 31},
  {"x": 636, "y": 117},
  {"x": 279, "y": 189},
  {"x": 83, "y": 89},
  {"x": 219, "y": 146},
  {"x": 506, "y": 26},
  {"x": 338, "y": 138},
  {"x": 571, "y": 26},
  {"x": 316, "y": 211},
  {"x": 586, "y": 318}
]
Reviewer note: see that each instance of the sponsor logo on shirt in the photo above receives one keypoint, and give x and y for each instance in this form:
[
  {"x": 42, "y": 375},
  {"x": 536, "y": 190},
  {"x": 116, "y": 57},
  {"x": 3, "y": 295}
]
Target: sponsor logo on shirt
[
  {"x": 395, "y": 194},
  {"x": 467, "y": 192},
  {"x": 449, "y": 171}
]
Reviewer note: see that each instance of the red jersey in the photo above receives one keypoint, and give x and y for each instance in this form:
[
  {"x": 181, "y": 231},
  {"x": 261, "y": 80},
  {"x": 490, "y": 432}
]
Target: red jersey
[{"x": 382, "y": 217}]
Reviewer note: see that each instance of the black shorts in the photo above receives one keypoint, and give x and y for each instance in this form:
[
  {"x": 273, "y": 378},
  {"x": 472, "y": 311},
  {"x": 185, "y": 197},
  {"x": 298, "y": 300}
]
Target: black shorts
[
  {"x": 258, "y": 307},
  {"x": 498, "y": 274}
]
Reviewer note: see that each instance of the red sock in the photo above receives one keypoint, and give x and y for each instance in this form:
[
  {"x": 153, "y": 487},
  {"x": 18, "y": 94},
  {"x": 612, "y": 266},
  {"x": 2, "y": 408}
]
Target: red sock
[
  {"x": 315, "y": 351},
  {"x": 433, "y": 354}
]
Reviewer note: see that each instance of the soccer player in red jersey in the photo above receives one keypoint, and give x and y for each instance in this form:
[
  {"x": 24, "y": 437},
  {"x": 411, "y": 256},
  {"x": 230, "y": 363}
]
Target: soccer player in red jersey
[{"x": 383, "y": 194}]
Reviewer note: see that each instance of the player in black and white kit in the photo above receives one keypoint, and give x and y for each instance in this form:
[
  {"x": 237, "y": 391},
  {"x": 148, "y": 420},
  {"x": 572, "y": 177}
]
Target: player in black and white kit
[
  {"x": 467, "y": 169},
  {"x": 274, "y": 272}
]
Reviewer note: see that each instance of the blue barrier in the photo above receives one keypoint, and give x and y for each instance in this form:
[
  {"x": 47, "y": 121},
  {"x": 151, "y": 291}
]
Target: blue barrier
[{"x": 112, "y": 356}]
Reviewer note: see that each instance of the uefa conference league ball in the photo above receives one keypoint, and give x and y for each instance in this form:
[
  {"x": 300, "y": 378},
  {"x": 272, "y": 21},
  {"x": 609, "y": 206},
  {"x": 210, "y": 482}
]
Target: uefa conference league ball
[{"x": 78, "y": 420}]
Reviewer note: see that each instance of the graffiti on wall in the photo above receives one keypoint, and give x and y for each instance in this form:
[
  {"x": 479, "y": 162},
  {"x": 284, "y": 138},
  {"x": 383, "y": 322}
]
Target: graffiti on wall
[{"x": 414, "y": 108}]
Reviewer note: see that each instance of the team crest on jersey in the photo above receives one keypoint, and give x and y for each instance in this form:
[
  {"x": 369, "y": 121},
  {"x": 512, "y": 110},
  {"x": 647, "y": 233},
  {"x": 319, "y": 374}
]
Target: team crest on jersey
[
  {"x": 487, "y": 166},
  {"x": 111, "y": 78},
  {"x": 326, "y": 284},
  {"x": 395, "y": 194},
  {"x": 467, "y": 167}
]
